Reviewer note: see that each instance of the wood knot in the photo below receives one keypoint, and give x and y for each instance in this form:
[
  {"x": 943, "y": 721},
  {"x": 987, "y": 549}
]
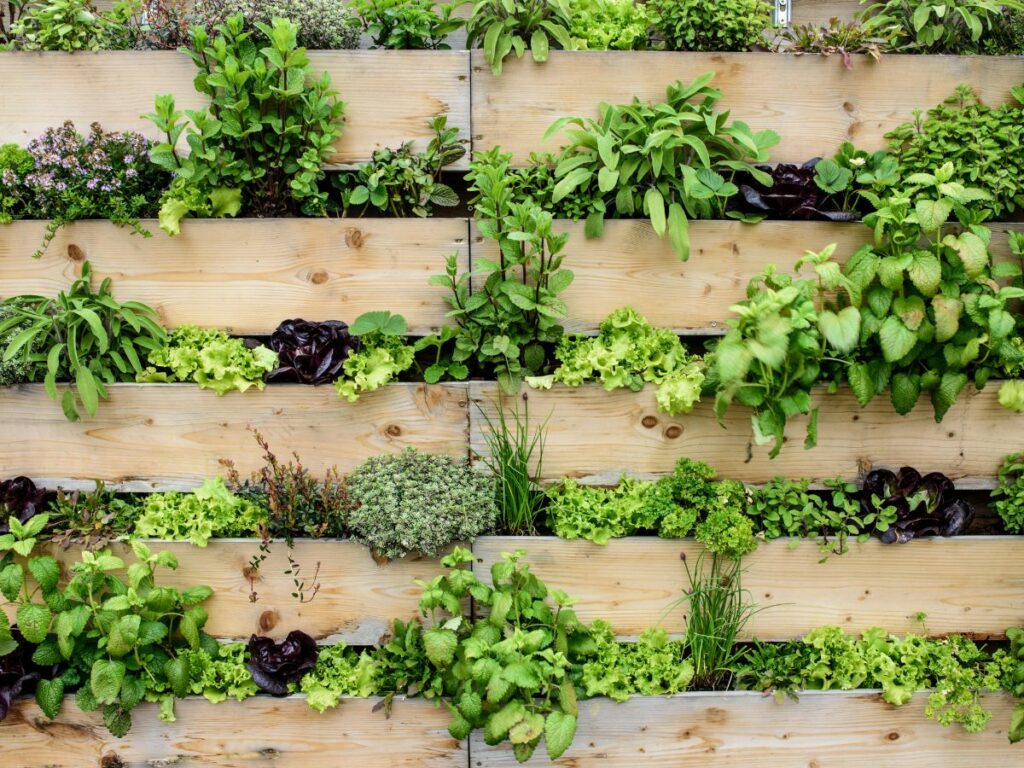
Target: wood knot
[
  {"x": 673, "y": 432},
  {"x": 650, "y": 422},
  {"x": 354, "y": 238},
  {"x": 76, "y": 254},
  {"x": 268, "y": 620},
  {"x": 112, "y": 760},
  {"x": 393, "y": 430},
  {"x": 250, "y": 572},
  {"x": 849, "y": 108},
  {"x": 318, "y": 278},
  {"x": 893, "y": 736}
]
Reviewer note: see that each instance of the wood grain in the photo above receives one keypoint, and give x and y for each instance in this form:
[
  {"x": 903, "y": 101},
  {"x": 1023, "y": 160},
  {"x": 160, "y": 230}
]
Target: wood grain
[
  {"x": 969, "y": 585},
  {"x": 747, "y": 730},
  {"x": 821, "y": 11},
  {"x": 284, "y": 733},
  {"x": 596, "y": 436},
  {"x": 356, "y": 603},
  {"x": 390, "y": 95},
  {"x": 631, "y": 266},
  {"x": 813, "y": 103},
  {"x": 248, "y": 275},
  {"x": 163, "y": 436}
]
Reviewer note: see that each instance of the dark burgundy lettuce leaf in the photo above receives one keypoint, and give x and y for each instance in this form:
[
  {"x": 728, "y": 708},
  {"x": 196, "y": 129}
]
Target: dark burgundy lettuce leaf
[
  {"x": 19, "y": 674},
  {"x": 925, "y": 506},
  {"x": 311, "y": 353},
  {"x": 794, "y": 194},
  {"x": 274, "y": 665},
  {"x": 19, "y": 498}
]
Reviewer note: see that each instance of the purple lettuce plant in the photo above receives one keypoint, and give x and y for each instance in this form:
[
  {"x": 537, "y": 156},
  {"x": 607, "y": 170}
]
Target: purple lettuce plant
[
  {"x": 310, "y": 352},
  {"x": 274, "y": 665},
  {"x": 924, "y": 506},
  {"x": 19, "y": 498}
]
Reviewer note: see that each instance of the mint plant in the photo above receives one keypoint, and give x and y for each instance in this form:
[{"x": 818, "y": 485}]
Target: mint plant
[
  {"x": 116, "y": 637},
  {"x": 502, "y": 27}
]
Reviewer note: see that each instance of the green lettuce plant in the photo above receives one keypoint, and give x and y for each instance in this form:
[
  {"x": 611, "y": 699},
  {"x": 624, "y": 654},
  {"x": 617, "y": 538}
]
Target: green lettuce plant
[
  {"x": 211, "y": 359},
  {"x": 629, "y": 353},
  {"x": 1009, "y": 493},
  {"x": 84, "y": 335},
  {"x": 113, "y": 630},
  {"x": 261, "y": 144},
  {"x": 669, "y": 162},
  {"x": 611, "y": 25},
  {"x": 653, "y": 666},
  {"x": 210, "y": 511},
  {"x": 502, "y": 27},
  {"x": 382, "y": 356}
]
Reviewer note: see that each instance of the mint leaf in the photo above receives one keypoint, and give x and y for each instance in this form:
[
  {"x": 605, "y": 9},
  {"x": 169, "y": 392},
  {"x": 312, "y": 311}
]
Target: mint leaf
[{"x": 559, "y": 731}]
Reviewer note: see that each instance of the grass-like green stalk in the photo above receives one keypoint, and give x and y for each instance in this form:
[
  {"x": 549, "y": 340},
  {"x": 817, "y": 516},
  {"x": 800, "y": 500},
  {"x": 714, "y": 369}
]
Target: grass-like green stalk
[
  {"x": 718, "y": 610},
  {"x": 514, "y": 456}
]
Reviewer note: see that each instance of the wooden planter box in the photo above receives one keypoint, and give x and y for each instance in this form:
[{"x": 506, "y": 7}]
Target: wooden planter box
[
  {"x": 165, "y": 436},
  {"x": 247, "y": 275},
  {"x": 596, "y": 436},
  {"x": 390, "y": 96},
  {"x": 971, "y": 585},
  {"x": 814, "y": 103},
  {"x": 747, "y": 730},
  {"x": 631, "y": 266},
  {"x": 823, "y": 729},
  {"x": 284, "y": 733}
]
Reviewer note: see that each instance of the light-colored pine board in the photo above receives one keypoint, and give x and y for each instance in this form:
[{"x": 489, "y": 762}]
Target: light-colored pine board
[
  {"x": 631, "y": 266},
  {"x": 746, "y": 730},
  {"x": 162, "y": 436},
  {"x": 356, "y": 603},
  {"x": 248, "y": 275},
  {"x": 596, "y": 436},
  {"x": 965, "y": 585},
  {"x": 821, "y": 11},
  {"x": 284, "y": 733},
  {"x": 390, "y": 95},
  {"x": 813, "y": 103}
]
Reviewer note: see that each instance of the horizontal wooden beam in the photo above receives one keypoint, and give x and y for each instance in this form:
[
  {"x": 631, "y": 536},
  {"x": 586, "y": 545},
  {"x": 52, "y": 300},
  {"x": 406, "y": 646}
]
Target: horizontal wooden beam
[
  {"x": 247, "y": 275},
  {"x": 969, "y": 585},
  {"x": 284, "y": 733},
  {"x": 814, "y": 103},
  {"x": 390, "y": 96},
  {"x": 748, "y": 730},
  {"x": 356, "y": 603},
  {"x": 164, "y": 436},
  {"x": 631, "y": 266},
  {"x": 821, "y": 11},
  {"x": 596, "y": 436}
]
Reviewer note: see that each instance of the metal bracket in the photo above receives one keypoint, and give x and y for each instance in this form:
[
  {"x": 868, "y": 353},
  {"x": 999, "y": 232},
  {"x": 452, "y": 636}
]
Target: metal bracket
[{"x": 783, "y": 15}]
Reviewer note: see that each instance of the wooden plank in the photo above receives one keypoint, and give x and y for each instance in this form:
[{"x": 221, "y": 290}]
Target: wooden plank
[
  {"x": 821, "y": 105},
  {"x": 821, "y": 11},
  {"x": 162, "y": 436},
  {"x": 747, "y": 730},
  {"x": 631, "y": 266},
  {"x": 356, "y": 603},
  {"x": 390, "y": 95},
  {"x": 596, "y": 436},
  {"x": 873, "y": 585},
  {"x": 248, "y": 275},
  {"x": 284, "y": 733}
]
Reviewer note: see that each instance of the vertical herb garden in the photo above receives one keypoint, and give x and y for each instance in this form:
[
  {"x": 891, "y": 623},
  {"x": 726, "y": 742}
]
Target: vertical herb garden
[{"x": 562, "y": 382}]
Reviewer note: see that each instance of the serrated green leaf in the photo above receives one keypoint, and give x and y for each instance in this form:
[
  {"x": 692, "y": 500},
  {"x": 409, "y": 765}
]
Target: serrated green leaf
[
  {"x": 33, "y": 620},
  {"x": 896, "y": 339},
  {"x": 559, "y": 731},
  {"x": 105, "y": 680},
  {"x": 440, "y": 645},
  {"x": 50, "y": 696}
]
